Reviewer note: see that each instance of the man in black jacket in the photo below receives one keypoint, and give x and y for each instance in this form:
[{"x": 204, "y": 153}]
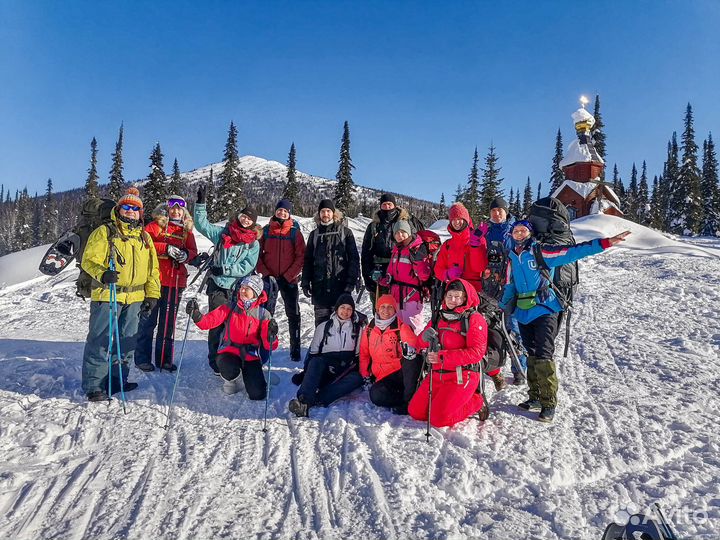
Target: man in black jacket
[{"x": 331, "y": 266}]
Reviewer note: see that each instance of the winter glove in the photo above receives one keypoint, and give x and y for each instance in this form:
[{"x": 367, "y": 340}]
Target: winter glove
[
  {"x": 202, "y": 190},
  {"x": 198, "y": 261},
  {"x": 109, "y": 276},
  {"x": 216, "y": 270},
  {"x": 481, "y": 229},
  {"x": 454, "y": 272},
  {"x": 384, "y": 282},
  {"x": 429, "y": 335},
  {"x": 191, "y": 306},
  {"x": 147, "y": 306},
  {"x": 376, "y": 275},
  {"x": 180, "y": 255},
  {"x": 408, "y": 351},
  {"x": 272, "y": 331},
  {"x": 307, "y": 290}
]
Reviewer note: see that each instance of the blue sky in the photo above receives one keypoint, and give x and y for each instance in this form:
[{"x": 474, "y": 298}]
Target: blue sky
[{"x": 421, "y": 83}]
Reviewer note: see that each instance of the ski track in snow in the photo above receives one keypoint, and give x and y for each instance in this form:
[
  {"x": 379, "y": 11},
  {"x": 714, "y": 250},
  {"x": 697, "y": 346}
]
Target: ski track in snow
[{"x": 636, "y": 424}]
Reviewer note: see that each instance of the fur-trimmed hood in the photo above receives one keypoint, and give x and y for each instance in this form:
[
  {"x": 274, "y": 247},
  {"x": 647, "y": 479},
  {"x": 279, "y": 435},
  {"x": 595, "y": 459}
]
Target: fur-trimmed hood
[
  {"x": 402, "y": 215},
  {"x": 338, "y": 217},
  {"x": 160, "y": 215}
]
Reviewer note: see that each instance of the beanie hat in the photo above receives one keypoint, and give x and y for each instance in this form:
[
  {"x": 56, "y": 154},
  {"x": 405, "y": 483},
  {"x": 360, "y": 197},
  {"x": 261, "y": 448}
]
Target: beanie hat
[
  {"x": 459, "y": 211},
  {"x": 499, "y": 202},
  {"x": 524, "y": 223},
  {"x": 344, "y": 298},
  {"x": 326, "y": 203},
  {"x": 249, "y": 212},
  {"x": 131, "y": 197},
  {"x": 402, "y": 225},
  {"x": 255, "y": 282},
  {"x": 386, "y": 299},
  {"x": 388, "y": 197},
  {"x": 286, "y": 204}
]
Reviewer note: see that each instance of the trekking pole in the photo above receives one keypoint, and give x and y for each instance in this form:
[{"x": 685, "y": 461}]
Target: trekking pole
[
  {"x": 167, "y": 317},
  {"x": 668, "y": 531},
  {"x": 427, "y": 430},
  {"x": 114, "y": 313},
  {"x": 267, "y": 394},
  {"x": 437, "y": 295},
  {"x": 513, "y": 352}
]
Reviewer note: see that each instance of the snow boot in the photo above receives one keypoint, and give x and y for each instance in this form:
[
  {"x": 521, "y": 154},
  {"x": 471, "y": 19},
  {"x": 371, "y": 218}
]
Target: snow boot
[
  {"x": 519, "y": 379},
  {"x": 547, "y": 414},
  {"x": 295, "y": 354},
  {"x": 499, "y": 381},
  {"x": 145, "y": 366},
  {"x": 170, "y": 368},
  {"x": 231, "y": 387},
  {"x": 298, "y": 408},
  {"x": 484, "y": 412},
  {"x": 127, "y": 387},
  {"x": 530, "y": 405},
  {"x": 98, "y": 396},
  {"x": 401, "y": 410}
]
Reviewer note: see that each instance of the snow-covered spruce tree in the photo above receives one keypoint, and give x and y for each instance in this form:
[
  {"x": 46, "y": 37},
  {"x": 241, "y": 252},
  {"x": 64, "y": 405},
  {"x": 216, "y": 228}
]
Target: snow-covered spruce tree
[
  {"x": 557, "y": 177},
  {"x": 710, "y": 190},
  {"x": 116, "y": 188},
  {"x": 517, "y": 208},
  {"x": 291, "y": 191},
  {"x": 37, "y": 207},
  {"x": 539, "y": 191},
  {"x": 472, "y": 193},
  {"x": 49, "y": 213},
  {"x": 459, "y": 194},
  {"x": 229, "y": 197},
  {"x": 689, "y": 177},
  {"x": 656, "y": 221},
  {"x": 669, "y": 181},
  {"x": 23, "y": 237},
  {"x": 631, "y": 197},
  {"x": 155, "y": 190},
  {"x": 176, "y": 187},
  {"x": 598, "y": 133},
  {"x": 442, "y": 210},
  {"x": 344, "y": 188},
  {"x": 92, "y": 188},
  {"x": 527, "y": 198},
  {"x": 491, "y": 181},
  {"x": 643, "y": 198}
]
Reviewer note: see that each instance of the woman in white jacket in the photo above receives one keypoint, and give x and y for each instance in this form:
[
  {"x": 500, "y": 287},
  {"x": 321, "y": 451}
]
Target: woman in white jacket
[{"x": 332, "y": 367}]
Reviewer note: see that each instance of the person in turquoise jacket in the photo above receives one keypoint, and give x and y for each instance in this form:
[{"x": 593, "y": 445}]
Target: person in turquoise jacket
[
  {"x": 537, "y": 309},
  {"x": 235, "y": 256}
]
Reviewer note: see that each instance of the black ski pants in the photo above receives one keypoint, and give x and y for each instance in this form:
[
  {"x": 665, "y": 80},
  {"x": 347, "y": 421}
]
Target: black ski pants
[
  {"x": 217, "y": 296},
  {"x": 538, "y": 336},
  {"x": 231, "y": 366},
  {"x": 290, "y": 294},
  {"x": 399, "y": 387},
  {"x": 163, "y": 317}
]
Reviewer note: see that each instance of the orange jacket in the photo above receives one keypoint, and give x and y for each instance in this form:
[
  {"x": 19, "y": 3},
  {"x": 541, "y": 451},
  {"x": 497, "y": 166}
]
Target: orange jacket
[{"x": 380, "y": 349}]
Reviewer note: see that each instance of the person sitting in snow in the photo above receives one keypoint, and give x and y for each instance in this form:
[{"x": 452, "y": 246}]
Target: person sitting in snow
[
  {"x": 332, "y": 364},
  {"x": 248, "y": 334},
  {"x": 537, "y": 308},
  {"x": 387, "y": 354},
  {"x": 455, "y": 366}
]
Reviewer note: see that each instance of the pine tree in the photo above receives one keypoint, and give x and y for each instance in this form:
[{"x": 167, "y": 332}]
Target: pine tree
[
  {"x": 669, "y": 184},
  {"x": 459, "y": 194},
  {"x": 527, "y": 198},
  {"x": 472, "y": 192},
  {"x": 490, "y": 181},
  {"x": 443, "y": 210},
  {"x": 344, "y": 189},
  {"x": 710, "y": 190},
  {"x": 643, "y": 198},
  {"x": 656, "y": 221},
  {"x": 517, "y": 209},
  {"x": 155, "y": 191},
  {"x": 598, "y": 134},
  {"x": 539, "y": 191},
  {"x": 557, "y": 176},
  {"x": 175, "y": 187},
  {"x": 632, "y": 196},
  {"x": 210, "y": 198},
  {"x": 91, "y": 184},
  {"x": 37, "y": 219},
  {"x": 49, "y": 213},
  {"x": 23, "y": 236},
  {"x": 292, "y": 190},
  {"x": 690, "y": 219},
  {"x": 511, "y": 201},
  {"x": 618, "y": 187},
  {"x": 117, "y": 182},
  {"x": 232, "y": 179}
]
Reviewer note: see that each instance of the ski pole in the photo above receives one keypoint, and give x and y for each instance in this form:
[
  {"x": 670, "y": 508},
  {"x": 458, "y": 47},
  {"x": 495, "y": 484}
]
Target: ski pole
[
  {"x": 177, "y": 374},
  {"x": 430, "y": 389},
  {"x": 267, "y": 394},
  {"x": 114, "y": 310},
  {"x": 668, "y": 531},
  {"x": 513, "y": 352}
]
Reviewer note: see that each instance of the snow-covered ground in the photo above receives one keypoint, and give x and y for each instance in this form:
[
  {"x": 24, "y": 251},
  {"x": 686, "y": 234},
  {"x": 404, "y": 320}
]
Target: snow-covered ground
[{"x": 637, "y": 423}]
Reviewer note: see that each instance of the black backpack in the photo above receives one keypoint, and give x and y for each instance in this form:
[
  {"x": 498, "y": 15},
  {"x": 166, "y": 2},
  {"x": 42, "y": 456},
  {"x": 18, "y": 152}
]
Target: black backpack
[
  {"x": 95, "y": 212},
  {"x": 551, "y": 223}
]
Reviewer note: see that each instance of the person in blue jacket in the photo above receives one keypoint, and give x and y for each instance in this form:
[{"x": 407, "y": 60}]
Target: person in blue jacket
[
  {"x": 235, "y": 256},
  {"x": 537, "y": 309}
]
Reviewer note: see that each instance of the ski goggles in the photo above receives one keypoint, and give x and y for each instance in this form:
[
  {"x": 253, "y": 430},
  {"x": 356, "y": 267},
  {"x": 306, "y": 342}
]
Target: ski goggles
[
  {"x": 176, "y": 202},
  {"x": 130, "y": 207}
]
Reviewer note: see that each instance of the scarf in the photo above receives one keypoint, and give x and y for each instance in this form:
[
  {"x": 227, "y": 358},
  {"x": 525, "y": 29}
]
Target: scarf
[
  {"x": 238, "y": 235},
  {"x": 383, "y": 324}
]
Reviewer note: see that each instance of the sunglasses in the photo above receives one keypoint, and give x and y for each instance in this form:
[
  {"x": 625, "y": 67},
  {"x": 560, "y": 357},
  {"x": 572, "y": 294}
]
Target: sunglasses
[
  {"x": 128, "y": 207},
  {"x": 176, "y": 202}
]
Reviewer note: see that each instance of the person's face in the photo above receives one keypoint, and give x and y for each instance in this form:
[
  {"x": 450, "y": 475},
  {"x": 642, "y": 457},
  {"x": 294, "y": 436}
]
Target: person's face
[
  {"x": 344, "y": 312},
  {"x": 457, "y": 223},
  {"x": 385, "y": 311},
  {"x": 245, "y": 221},
  {"x": 401, "y": 236},
  {"x": 326, "y": 215},
  {"x": 520, "y": 233},
  {"x": 282, "y": 213},
  {"x": 498, "y": 215},
  {"x": 387, "y": 205},
  {"x": 130, "y": 211},
  {"x": 454, "y": 299},
  {"x": 175, "y": 212},
  {"x": 246, "y": 293}
]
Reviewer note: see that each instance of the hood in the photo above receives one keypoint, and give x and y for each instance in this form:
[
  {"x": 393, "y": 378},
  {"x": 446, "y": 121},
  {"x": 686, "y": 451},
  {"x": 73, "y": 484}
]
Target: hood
[
  {"x": 160, "y": 216},
  {"x": 473, "y": 300}
]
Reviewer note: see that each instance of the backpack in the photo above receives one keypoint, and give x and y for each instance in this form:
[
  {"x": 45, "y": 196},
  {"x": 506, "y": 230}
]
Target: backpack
[
  {"x": 432, "y": 243},
  {"x": 551, "y": 221},
  {"x": 357, "y": 324},
  {"x": 95, "y": 212}
]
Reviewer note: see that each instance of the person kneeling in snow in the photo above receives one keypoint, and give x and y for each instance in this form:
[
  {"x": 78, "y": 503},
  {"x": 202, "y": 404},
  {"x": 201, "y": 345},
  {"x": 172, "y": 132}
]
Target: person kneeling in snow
[
  {"x": 455, "y": 367},
  {"x": 248, "y": 335},
  {"x": 387, "y": 352},
  {"x": 332, "y": 365}
]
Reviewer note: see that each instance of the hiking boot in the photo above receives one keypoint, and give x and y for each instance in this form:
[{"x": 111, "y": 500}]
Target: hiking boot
[
  {"x": 519, "y": 379},
  {"x": 499, "y": 381},
  {"x": 298, "y": 378},
  {"x": 530, "y": 405},
  {"x": 127, "y": 386},
  {"x": 298, "y": 408},
  {"x": 295, "y": 355},
  {"x": 100, "y": 395},
  {"x": 230, "y": 387},
  {"x": 145, "y": 366},
  {"x": 484, "y": 412},
  {"x": 168, "y": 367},
  {"x": 547, "y": 414},
  {"x": 400, "y": 410}
]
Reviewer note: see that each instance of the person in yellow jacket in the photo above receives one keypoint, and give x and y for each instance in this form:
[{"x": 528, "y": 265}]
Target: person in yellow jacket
[{"x": 137, "y": 280}]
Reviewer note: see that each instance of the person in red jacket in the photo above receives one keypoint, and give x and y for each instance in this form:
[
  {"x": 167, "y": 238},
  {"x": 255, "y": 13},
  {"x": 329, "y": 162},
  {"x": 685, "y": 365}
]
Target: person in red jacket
[
  {"x": 282, "y": 253},
  {"x": 387, "y": 354},
  {"x": 464, "y": 254},
  {"x": 249, "y": 333},
  {"x": 456, "y": 366},
  {"x": 407, "y": 271},
  {"x": 171, "y": 233}
]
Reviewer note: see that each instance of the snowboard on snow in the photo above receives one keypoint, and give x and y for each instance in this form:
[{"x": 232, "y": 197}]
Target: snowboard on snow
[{"x": 59, "y": 256}]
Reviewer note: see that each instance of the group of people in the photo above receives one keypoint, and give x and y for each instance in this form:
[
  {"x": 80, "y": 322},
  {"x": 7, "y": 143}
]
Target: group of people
[{"x": 430, "y": 370}]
